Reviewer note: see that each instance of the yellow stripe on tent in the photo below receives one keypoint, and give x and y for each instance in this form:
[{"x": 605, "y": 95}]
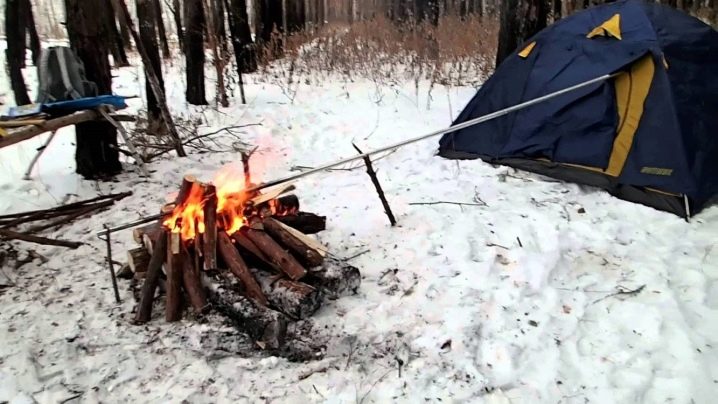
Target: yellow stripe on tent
[
  {"x": 527, "y": 50},
  {"x": 631, "y": 92},
  {"x": 610, "y": 27}
]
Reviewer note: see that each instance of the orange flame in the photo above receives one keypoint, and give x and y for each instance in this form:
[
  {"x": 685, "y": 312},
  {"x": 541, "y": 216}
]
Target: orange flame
[{"x": 188, "y": 218}]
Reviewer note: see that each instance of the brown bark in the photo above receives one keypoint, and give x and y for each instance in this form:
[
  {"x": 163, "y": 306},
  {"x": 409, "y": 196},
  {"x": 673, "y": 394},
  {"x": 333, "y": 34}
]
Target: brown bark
[
  {"x": 188, "y": 182},
  {"x": 209, "y": 245},
  {"x": 138, "y": 259},
  {"x": 154, "y": 270},
  {"x": 14, "y": 235},
  {"x": 174, "y": 268},
  {"x": 177, "y": 16},
  {"x": 15, "y": 52},
  {"x": 192, "y": 281},
  {"x": 295, "y": 299},
  {"x": 139, "y": 232},
  {"x": 239, "y": 268},
  {"x": 194, "y": 52},
  {"x": 250, "y": 250},
  {"x": 306, "y": 254},
  {"x": 96, "y": 153},
  {"x": 307, "y": 223},
  {"x": 276, "y": 254}
]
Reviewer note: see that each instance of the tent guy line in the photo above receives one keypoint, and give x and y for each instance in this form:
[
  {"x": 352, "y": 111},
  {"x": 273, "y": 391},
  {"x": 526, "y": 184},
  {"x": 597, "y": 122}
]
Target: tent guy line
[{"x": 403, "y": 143}]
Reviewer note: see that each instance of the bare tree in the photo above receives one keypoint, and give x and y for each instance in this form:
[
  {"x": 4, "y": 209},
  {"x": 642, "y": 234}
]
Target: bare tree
[
  {"x": 96, "y": 151},
  {"x": 520, "y": 20},
  {"x": 194, "y": 51},
  {"x": 244, "y": 49},
  {"x": 148, "y": 36},
  {"x": 160, "y": 22},
  {"x": 116, "y": 44},
  {"x": 15, "y": 52},
  {"x": 35, "y": 46}
]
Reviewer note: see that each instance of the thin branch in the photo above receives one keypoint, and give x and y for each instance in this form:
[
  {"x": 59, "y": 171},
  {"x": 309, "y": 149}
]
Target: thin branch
[
  {"x": 623, "y": 291},
  {"x": 13, "y": 235},
  {"x": 448, "y": 203}
]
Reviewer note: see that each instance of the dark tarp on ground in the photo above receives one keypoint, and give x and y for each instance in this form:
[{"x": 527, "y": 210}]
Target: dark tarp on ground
[{"x": 674, "y": 151}]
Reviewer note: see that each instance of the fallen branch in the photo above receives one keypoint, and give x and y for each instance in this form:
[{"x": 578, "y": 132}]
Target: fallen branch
[
  {"x": 13, "y": 235},
  {"x": 34, "y": 215},
  {"x": 448, "y": 203},
  {"x": 623, "y": 291}
]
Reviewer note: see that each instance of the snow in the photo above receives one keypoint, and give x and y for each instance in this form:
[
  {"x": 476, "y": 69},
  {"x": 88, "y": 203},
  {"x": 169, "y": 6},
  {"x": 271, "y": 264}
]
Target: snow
[{"x": 509, "y": 298}]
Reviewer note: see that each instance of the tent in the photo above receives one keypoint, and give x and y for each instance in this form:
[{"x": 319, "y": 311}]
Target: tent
[{"x": 648, "y": 135}]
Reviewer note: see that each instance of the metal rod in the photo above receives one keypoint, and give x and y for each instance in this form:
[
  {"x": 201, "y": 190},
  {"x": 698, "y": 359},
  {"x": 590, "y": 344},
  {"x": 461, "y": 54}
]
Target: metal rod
[
  {"x": 454, "y": 128},
  {"x": 403, "y": 143}
]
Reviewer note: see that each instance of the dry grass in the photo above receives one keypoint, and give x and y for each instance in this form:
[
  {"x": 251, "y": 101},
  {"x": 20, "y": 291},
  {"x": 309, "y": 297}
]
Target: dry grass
[{"x": 457, "y": 52}]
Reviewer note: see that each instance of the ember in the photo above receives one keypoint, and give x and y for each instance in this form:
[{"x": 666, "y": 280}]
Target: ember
[{"x": 248, "y": 254}]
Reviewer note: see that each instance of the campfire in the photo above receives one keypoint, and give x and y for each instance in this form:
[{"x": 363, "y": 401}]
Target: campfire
[{"x": 245, "y": 255}]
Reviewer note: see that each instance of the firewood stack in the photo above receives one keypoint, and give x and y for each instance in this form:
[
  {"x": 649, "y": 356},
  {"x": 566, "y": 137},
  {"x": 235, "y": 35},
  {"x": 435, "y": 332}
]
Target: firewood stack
[{"x": 257, "y": 267}]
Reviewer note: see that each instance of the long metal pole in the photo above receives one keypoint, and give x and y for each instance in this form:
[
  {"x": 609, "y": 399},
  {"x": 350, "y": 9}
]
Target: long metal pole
[
  {"x": 403, "y": 143},
  {"x": 454, "y": 128}
]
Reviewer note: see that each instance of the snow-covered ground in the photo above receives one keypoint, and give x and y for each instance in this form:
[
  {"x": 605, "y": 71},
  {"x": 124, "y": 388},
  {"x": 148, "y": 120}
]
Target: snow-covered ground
[{"x": 507, "y": 299}]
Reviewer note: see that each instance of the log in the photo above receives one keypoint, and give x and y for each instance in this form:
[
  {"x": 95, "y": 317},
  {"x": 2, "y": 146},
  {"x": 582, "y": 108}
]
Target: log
[
  {"x": 13, "y": 235},
  {"x": 305, "y": 253},
  {"x": 139, "y": 232},
  {"x": 377, "y": 185},
  {"x": 276, "y": 254},
  {"x": 295, "y": 299},
  {"x": 138, "y": 260},
  {"x": 264, "y": 325},
  {"x": 246, "y": 246},
  {"x": 262, "y": 198},
  {"x": 209, "y": 238},
  {"x": 188, "y": 182},
  {"x": 154, "y": 270},
  {"x": 174, "y": 268},
  {"x": 307, "y": 223},
  {"x": 285, "y": 205},
  {"x": 335, "y": 279},
  {"x": 192, "y": 282},
  {"x": 29, "y": 132},
  {"x": 239, "y": 268}
]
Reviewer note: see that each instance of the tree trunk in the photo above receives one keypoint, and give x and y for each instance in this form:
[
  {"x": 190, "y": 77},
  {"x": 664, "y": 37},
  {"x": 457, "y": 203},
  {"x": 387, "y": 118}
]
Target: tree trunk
[
  {"x": 520, "y": 20},
  {"x": 157, "y": 8},
  {"x": 177, "y": 15},
  {"x": 15, "y": 33},
  {"x": 114, "y": 39},
  {"x": 35, "y": 46},
  {"x": 244, "y": 49},
  {"x": 148, "y": 36},
  {"x": 96, "y": 154},
  {"x": 194, "y": 51},
  {"x": 124, "y": 29},
  {"x": 219, "y": 24}
]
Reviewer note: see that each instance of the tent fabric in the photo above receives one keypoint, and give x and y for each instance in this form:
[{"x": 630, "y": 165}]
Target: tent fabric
[{"x": 650, "y": 134}]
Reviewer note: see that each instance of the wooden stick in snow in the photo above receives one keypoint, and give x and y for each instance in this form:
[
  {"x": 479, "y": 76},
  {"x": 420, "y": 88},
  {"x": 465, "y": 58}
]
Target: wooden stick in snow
[
  {"x": 372, "y": 174},
  {"x": 13, "y": 235}
]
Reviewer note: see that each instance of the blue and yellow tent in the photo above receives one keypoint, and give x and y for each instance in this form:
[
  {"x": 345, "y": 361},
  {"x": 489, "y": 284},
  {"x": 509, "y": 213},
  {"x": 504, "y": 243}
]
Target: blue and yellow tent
[{"x": 649, "y": 135}]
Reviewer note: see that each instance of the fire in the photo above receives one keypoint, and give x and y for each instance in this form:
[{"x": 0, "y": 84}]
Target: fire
[{"x": 188, "y": 218}]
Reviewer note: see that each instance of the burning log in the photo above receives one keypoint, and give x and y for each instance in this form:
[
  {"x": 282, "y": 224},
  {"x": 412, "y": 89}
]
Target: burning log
[
  {"x": 335, "y": 279},
  {"x": 192, "y": 282},
  {"x": 307, "y": 223},
  {"x": 295, "y": 299},
  {"x": 138, "y": 260},
  {"x": 174, "y": 267},
  {"x": 188, "y": 182},
  {"x": 285, "y": 205},
  {"x": 239, "y": 268},
  {"x": 276, "y": 254},
  {"x": 294, "y": 241},
  {"x": 154, "y": 270},
  {"x": 264, "y": 325},
  {"x": 209, "y": 246},
  {"x": 152, "y": 230}
]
